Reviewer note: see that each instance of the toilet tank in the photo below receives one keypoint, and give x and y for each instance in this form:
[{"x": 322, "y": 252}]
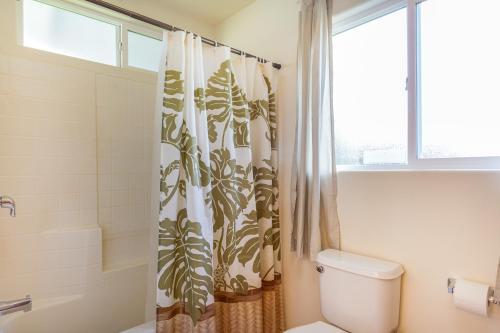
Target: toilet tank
[{"x": 359, "y": 294}]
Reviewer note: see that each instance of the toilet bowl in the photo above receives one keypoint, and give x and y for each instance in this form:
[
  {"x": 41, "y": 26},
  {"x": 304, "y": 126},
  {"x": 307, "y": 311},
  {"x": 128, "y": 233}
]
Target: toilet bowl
[{"x": 358, "y": 294}]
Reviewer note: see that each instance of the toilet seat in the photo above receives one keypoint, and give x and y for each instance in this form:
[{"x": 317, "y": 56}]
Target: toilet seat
[{"x": 317, "y": 327}]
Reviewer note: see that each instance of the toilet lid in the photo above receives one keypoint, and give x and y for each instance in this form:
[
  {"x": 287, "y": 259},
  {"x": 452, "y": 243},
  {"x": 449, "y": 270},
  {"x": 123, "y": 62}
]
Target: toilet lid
[{"x": 317, "y": 327}]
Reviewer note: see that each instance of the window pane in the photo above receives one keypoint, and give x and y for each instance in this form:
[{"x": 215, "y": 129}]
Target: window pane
[
  {"x": 143, "y": 51},
  {"x": 460, "y": 108},
  {"x": 370, "y": 99},
  {"x": 60, "y": 31}
]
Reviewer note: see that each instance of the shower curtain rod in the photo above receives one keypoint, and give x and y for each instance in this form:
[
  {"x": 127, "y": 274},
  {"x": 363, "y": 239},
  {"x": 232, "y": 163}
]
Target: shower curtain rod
[{"x": 169, "y": 27}]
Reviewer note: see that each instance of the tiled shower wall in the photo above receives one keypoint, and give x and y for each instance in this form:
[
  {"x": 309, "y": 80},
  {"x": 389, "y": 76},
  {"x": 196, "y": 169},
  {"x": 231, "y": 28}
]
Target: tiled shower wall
[
  {"x": 75, "y": 155},
  {"x": 125, "y": 124}
]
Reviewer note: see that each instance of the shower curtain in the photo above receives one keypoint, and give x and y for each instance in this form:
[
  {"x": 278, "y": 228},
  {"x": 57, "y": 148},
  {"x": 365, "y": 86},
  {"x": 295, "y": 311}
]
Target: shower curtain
[{"x": 219, "y": 264}]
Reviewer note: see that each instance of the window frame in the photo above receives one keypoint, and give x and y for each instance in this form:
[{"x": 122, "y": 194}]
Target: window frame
[
  {"x": 126, "y": 28},
  {"x": 122, "y": 23},
  {"x": 370, "y": 11}
]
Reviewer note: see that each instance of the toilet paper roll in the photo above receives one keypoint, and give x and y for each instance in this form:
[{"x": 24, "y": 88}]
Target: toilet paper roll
[{"x": 471, "y": 296}]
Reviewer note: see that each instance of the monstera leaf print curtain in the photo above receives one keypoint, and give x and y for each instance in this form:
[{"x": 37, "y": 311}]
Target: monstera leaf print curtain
[{"x": 219, "y": 264}]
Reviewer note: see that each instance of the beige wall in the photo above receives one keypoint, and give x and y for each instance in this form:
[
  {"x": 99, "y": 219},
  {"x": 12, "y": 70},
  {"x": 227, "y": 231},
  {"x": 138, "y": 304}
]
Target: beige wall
[
  {"x": 160, "y": 10},
  {"x": 437, "y": 224}
]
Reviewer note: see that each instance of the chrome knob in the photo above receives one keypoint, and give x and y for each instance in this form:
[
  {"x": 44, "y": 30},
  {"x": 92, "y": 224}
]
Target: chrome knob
[{"x": 320, "y": 269}]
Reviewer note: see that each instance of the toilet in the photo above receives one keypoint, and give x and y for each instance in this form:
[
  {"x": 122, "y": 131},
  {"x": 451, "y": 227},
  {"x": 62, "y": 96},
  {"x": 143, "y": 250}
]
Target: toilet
[{"x": 358, "y": 294}]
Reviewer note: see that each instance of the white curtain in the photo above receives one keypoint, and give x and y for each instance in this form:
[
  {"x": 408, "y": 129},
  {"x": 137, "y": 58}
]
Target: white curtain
[{"x": 314, "y": 207}]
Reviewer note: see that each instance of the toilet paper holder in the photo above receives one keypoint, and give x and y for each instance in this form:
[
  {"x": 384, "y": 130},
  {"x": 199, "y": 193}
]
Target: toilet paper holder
[{"x": 492, "y": 299}]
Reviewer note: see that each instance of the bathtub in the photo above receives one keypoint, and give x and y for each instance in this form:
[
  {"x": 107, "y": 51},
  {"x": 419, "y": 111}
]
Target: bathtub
[
  {"x": 149, "y": 327},
  {"x": 44, "y": 316},
  {"x": 114, "y": 306},
  {"x": 79, "y": 297}
]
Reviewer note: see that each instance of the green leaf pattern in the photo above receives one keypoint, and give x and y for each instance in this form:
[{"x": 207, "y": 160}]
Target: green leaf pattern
[
  {"x": 219, "y": 219},
  {"x": 184, "y": 262}
]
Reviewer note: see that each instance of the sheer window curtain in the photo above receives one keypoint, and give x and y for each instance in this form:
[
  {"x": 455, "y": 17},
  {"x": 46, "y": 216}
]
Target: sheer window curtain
[{"x": 314, "y": 179}]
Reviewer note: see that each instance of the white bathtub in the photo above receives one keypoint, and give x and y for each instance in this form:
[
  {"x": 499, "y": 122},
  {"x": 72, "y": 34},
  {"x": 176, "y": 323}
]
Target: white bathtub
[
  {"x": 114, "y": 306},
  {"x": 149, "y": 327},
  {"x": 44, "y": 316}
]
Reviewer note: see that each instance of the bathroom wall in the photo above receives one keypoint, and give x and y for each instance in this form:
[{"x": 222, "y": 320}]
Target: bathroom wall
[
  {"x": 75, "y": 154},
  {"x": 436, "y": 223}
]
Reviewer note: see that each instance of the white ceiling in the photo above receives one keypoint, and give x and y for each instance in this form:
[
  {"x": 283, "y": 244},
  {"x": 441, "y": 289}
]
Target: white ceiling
[{"x": 210, "y": 11}]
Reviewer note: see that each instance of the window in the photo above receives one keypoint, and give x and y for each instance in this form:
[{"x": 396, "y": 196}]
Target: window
[
  {"x": 67, "y": 29},
  {"x": 60, "y": 31},
  {"x": 414, "y": 87},
  {"x": 459, "y": 68},
  {"x": 144, "y": 51},
  {"x": 369, "y": 93}
]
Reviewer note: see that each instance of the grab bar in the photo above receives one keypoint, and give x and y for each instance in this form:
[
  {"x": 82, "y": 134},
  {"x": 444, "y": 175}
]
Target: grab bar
[{"x": 23, "y": 304}]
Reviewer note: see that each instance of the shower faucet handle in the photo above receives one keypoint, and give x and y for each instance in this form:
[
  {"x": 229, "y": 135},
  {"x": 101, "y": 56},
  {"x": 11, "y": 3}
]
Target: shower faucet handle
[
  {"x": 9, "y": 203},
  {"x": 23, "y": 304}
]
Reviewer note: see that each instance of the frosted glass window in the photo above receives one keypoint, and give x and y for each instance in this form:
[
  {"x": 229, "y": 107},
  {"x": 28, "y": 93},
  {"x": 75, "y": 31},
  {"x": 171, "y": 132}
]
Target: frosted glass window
[
  {"x": 370, "y": 99},
  {"x": 144, "y": 52},
  {"x": 60, "y": 31},
  {"x": 460, "y": 108}
]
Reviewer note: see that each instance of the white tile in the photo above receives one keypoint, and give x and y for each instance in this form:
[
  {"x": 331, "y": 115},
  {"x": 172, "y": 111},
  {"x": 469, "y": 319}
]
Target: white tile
[
  {"x": 69, "y": 202},
  {"x": 104, "y": 165},
  {"x": 18, "y": 245},
  {"x": 72, "y": 239},
  {"x": 69, "y": 219},
  {"x": 68, "y": 183},
  {"x": 104, "y": 199},
  {"x": 70, "y": 277},
  {"x": 104, "y": 149},
  {"x": 88, "y": 217},
  {"x": 72, "y": 258},
  {"x": 6, "y": 267},
  {"x": 47, "y": 147},
  {"x": 104, "y": 216},
  {"x": 17, "y": 146},
  {"x": 120, "y": 219},
  {"x": 22, "y": 86},
  {"x": 18, "y": 167},
  {"x": 11, "y": 126},
  {"x": 87, "y": 183},
  {"x": 120, "y": 198},
  {"x": 46, "y": 184},
  {"x": 88, "y": 200},
  {"x": 25, "y": 264},
  {"x": 111, "y": 91},
  {"x": 4, "y": 64},
  {"x": 46, "y": 166},
  {"x": 48, "y": 260},
  {"x": 35, "y": 70},
  {"x": 93, "y": 256},
  {"x": 4, "y": 84},
  {"x": 104, "y": 182},
  {"x": 120, "y": 181}
]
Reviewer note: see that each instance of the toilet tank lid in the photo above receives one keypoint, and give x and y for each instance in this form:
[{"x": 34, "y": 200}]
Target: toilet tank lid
[{"x": 361, "y": 265}]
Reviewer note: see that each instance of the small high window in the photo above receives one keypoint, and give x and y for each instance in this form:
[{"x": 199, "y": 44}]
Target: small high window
[
  {"x": 64, "y": 28},
  {"x": 144, "y": 51}
]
